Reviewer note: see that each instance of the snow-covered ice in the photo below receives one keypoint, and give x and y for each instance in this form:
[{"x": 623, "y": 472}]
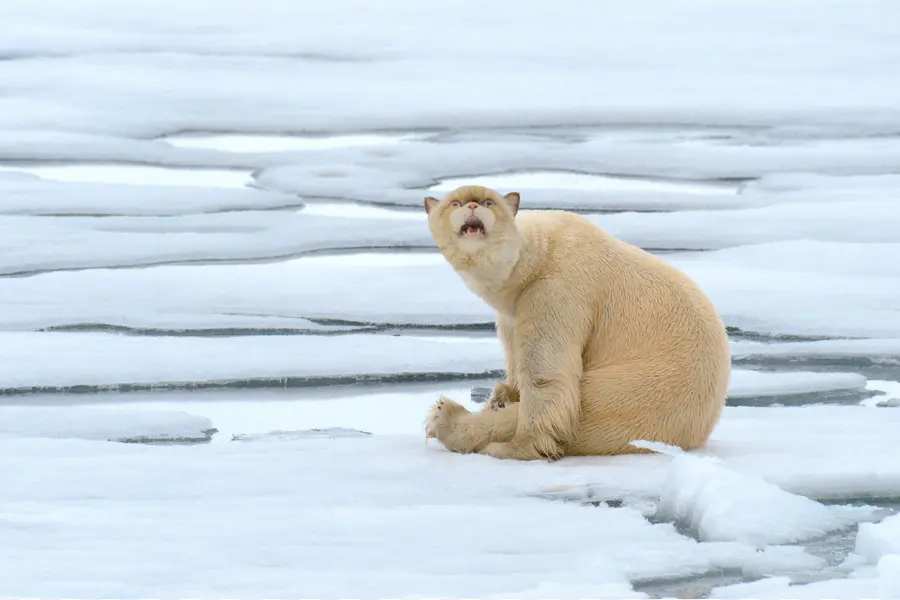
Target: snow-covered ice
[
  {"x": 63, "y": 360},
  {"x": 103, "y": 423},
  {"x": 225, "y": 197},
  {"x": 874, "y": 541}
]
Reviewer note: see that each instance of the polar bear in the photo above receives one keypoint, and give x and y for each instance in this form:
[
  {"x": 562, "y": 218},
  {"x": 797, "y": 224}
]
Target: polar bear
[{"x": 604, "y": 343}]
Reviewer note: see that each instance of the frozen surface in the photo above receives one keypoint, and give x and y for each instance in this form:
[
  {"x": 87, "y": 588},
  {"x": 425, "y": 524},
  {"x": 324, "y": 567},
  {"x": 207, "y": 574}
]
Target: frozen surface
[
  {"x": 98, "y": 359},
  {"x": 878, "y": 540},
  {"x": 103, "y": 423},
  {"x": 878, "y": 576},
  {"x": 578, "y": 181},
  {"x": 65, "y": 359},
  {"x": 370, "y": 489},
  {"x": 771, "y": 299},
  {"x": 704, "y": 496},
  {"x": 141, "y": 175},
  {"x": 84, "y": 242},
  {"x": 276, "y": 143},
  {"x": 756, "y": 383},
  {"x": 238, "y": 136},
  {"x": 27, "y": 196}
]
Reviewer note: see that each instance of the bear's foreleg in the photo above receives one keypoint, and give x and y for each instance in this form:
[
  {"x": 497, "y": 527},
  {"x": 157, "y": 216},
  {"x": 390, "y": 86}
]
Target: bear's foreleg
[
  {"x": 462, "y": 431},
  {"x": 548, "y": 337}
]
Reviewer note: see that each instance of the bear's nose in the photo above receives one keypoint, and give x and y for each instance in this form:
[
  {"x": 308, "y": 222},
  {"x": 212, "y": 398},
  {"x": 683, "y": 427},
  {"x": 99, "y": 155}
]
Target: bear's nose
[{"x": 472, "y": 205}]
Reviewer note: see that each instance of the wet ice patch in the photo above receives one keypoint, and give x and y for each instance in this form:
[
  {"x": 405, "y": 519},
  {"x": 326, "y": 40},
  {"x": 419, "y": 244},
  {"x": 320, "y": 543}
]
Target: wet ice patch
[
  {"x": 284, "y": 143},
  {"x": 579, "y": 181},
  {"x": 760, "y": 388},
  {"x": 104, "y": 423},
  {"x": 139, "y": 175},
  {"x": 717, "y": 503},
  {"x": 778, "y": 560}
]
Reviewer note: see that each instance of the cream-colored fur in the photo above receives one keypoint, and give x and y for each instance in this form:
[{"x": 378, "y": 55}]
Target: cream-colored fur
[{"x": 604, "y": 343}]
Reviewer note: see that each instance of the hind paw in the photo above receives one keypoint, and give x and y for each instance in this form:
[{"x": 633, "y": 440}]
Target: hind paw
[{"x": 503, "y": 394}]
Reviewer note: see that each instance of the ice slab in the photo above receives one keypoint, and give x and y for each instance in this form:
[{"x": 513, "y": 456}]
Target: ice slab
[
  {"x": 270, "y": 414},
  {"x": 750, "y": 388},
  {"x": 100, "y": 360},
  {"x": 282, "y": 435},
  {"x": 778, "y": 560},
  {"x": 552, "y": 180},
  {"x": 822, "y": 83},
  {"x": 363, "y": 488},
  {"x": 760, "y": 299},
  {"x": 23, "y": 196},
  {"x": 354, "y": 493},
  {"x": 705, "y": 496},
  {"x": 853, "y": 222},
  {"x": 139, "y": 175},
  {"x": 888, "y": 349},
  {"x": 876, "y": 358},
  {"x": 361, "y": 211},
  {"x": 84, "y": 242},
  {"x": 757, "y": 383},
  {"x": 57, "y": 360},
  {"x": 887, "y": 393},
  {"x": 112, "y": 423},
  {"x": 874, "y": 541},
  {"x": 281, "y": 143},
  {"x": 884, "y": 583}
]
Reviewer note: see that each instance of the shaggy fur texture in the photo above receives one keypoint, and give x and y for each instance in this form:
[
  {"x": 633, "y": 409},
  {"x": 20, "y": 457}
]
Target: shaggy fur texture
[{"x": 604, "y": 343}]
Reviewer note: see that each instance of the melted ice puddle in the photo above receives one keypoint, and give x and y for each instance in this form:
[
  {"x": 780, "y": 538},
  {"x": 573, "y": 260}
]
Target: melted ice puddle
[
  {"x": 282, "y": 143},
  {"x": 138, "y": 175},
  {"x": 581, "y": 181}
]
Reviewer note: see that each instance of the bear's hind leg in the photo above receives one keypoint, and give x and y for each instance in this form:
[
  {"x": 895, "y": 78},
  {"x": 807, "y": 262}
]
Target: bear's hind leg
[{"x": 623, "y": 403}]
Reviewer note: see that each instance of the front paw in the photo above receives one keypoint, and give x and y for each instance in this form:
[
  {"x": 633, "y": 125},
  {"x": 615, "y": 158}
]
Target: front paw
[
  {"x": 440, "y": 418},
  {"x": 503, "y": 394}
]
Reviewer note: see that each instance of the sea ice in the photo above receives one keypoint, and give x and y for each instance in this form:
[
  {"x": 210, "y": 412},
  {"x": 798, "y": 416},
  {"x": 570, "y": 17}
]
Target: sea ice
[
  {"x": 878, "y": 540},
  {"x": 59, "y": 360},
  {"x": 704, "y": 496},
  {"x": 103, "y": 423}
]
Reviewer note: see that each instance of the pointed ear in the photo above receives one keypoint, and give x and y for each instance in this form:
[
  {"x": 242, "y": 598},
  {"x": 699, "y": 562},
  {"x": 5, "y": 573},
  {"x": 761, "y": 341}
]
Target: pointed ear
[
  {"x": 430, "y": 203},
  {"x": 512, "y": 199}
]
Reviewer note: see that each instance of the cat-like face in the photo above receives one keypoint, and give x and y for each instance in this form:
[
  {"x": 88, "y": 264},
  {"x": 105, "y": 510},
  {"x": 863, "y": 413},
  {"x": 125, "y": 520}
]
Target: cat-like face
[{"x": 471, "y": 215}]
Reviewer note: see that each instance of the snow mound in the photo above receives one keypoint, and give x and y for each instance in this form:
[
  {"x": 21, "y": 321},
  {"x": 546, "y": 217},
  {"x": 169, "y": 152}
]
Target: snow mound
[
  {"x": 720, "y": 504},
  {"x": 874, "y": 541}
]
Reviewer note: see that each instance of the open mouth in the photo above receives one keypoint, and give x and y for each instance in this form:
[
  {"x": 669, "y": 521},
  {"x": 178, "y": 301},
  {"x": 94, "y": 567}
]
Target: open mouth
[{"x": 472, "y": 227}]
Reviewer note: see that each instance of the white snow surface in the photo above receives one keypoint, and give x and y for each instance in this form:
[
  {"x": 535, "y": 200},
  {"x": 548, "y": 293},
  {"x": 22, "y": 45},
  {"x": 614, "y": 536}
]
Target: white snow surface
[
  {"x": 101, "y": 423},
  {"x": 314, "y": 498},
  {"x": 202, "y": 187}
]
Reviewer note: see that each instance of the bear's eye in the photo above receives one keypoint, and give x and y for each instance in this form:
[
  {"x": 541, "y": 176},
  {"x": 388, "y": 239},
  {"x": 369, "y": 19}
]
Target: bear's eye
[
  {"x": 488, "y": 202},
  {"x": 456, "y": 203}
]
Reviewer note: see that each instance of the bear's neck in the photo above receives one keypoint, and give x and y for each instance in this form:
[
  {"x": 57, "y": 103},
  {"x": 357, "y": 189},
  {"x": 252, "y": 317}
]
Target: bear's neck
[{"x": 498, "y": 273}]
